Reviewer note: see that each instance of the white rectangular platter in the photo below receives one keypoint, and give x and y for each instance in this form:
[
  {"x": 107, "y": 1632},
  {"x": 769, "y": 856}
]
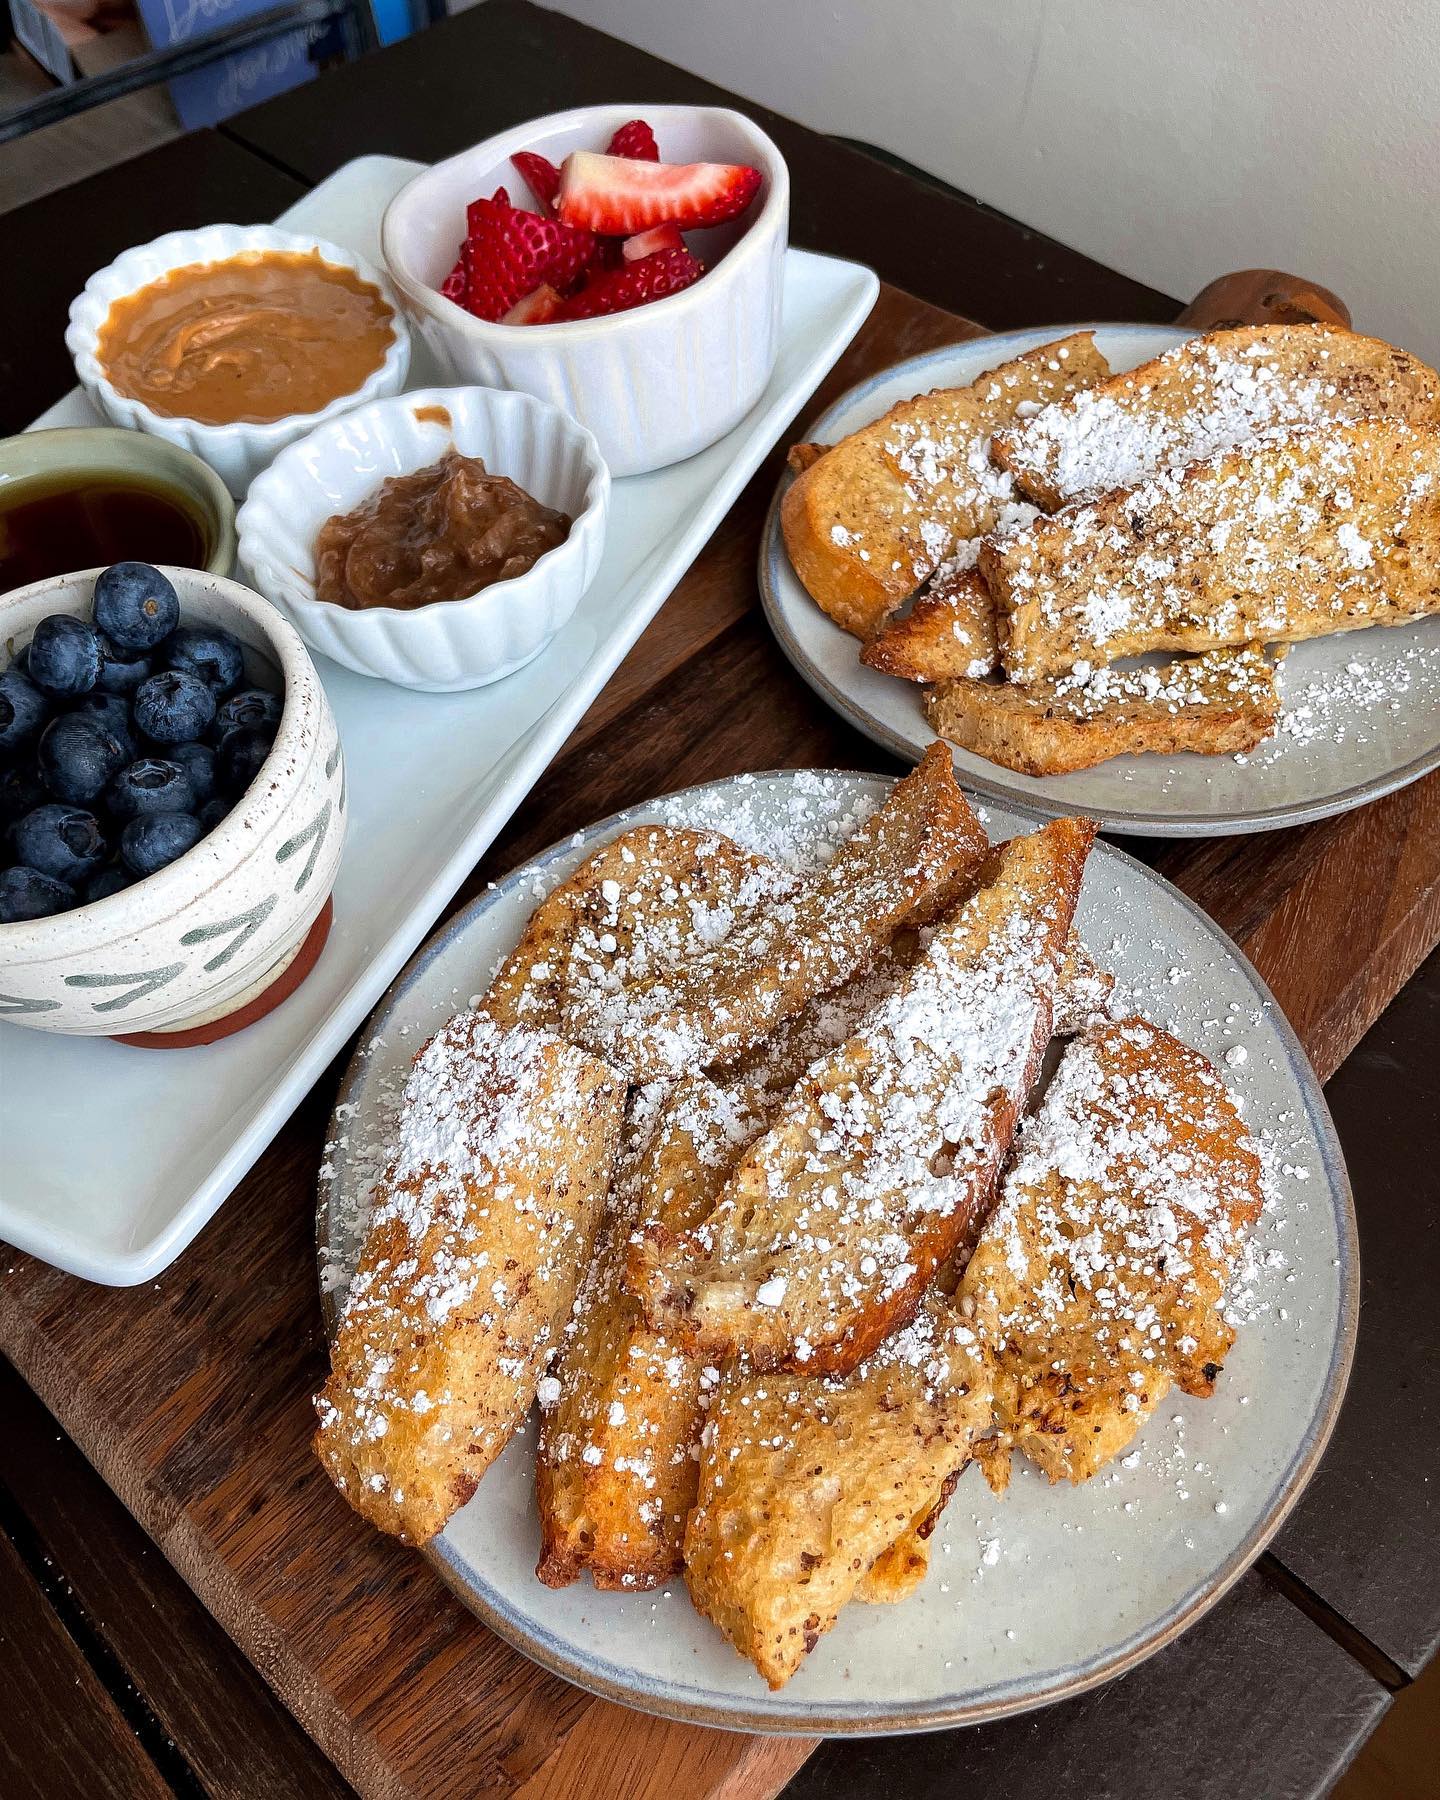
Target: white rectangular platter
[{"x": 115, "y": 1157}]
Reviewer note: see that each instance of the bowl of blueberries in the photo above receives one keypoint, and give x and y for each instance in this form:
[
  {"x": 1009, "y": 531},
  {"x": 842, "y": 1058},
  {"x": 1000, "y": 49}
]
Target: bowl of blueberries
[{"x": 172, "y": 803}]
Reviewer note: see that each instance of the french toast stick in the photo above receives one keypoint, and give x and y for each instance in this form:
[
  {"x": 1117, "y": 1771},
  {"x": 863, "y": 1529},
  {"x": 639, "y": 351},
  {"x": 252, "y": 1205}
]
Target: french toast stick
[
  {"x": 1100, "y": 1277},
  {"x": 615, "y": 1471},
  {"x": 947, "y": 634},
  {"x": 814, "y": 1488},
  {"x": 885, "y": 1156},
  {"x": 1214, "y": 704},
  {"x": 479, "y": 1232},
  {"x": 711, "y": 1001},
  {"x": 1210, "y": 394},
  {"x": 1283, "y": 540},
  {"x": 872, "y": 519}
]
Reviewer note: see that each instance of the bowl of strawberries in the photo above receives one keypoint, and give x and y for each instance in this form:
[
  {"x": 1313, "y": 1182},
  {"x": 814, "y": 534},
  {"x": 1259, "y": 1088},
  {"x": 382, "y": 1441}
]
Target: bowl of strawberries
[{"x": 622, "y": 262}]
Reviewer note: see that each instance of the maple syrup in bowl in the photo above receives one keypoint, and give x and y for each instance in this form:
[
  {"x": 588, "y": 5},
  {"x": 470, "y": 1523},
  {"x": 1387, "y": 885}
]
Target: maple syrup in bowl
[{"x": 83, "y": 498}]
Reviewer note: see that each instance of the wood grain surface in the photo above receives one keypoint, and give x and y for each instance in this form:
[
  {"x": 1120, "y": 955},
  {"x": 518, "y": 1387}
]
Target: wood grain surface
[
  {"x": 1307, "y": 1707},
  {"x": 191, "y": 1395},
  {"x": 61, "y": 1725}
]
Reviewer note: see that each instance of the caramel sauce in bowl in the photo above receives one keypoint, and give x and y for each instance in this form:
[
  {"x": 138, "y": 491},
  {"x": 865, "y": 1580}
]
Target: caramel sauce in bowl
[
  {"x": 437, "y": 492},
  {"x": 252, "y": 339},
  {"x": 235, "y": 340}
]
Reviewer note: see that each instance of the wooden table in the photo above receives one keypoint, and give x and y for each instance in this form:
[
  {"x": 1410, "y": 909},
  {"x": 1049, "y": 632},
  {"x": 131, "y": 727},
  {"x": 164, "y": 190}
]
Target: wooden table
[{"x": 190, "y": 1396}]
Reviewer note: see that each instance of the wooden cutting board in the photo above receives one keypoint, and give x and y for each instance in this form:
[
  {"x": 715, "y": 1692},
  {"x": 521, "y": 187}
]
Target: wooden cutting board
[{"x": 191, "y": 1395}]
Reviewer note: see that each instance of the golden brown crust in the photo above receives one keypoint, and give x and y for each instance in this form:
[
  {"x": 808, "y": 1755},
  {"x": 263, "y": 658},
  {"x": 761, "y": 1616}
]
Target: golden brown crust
[
  {"x": 616, "y": 1467},
  {"x": 948, "y": 633},
  {"x": 1101, "y": 1275},
  {"x": 693, "y": 1001},
  {"x": 899, "y": 1569},
  {"x": 886, "y": 1152},
  {"x": 814, "y": 1489},
  {"x": 666, "y": 874},
  {"x": 867, "y": 523},
  {"x": 1283, "y": 540},
  {"x": 1212, "y": 705},
  {"x": 1208, "y": 394},
  {"x": 468, "y": 1270}
]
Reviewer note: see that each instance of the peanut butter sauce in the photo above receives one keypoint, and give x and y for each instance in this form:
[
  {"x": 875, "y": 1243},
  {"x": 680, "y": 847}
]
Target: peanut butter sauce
[{"x": 258, "y": 337}]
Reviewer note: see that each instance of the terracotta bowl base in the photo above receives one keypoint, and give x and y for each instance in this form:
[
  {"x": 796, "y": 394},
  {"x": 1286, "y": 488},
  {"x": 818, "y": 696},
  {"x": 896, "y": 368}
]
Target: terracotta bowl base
[{"x": 287, "y": 979}]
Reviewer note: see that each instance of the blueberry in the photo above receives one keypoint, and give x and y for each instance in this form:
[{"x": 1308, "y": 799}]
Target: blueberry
[
  {"x": 198, "y": 762},
  {"x": 107, "y": 882},
  {"x": 252, "y": 708},
  {"x": 212, "y": 654},
  {"x": 65, "y": 656},
  {"x": 122, "y": 671},
  {"x": 241, "y": 753},
  {"x": 135, "y": 605},
  {"x": 21, "y": 790},
  {"x": 60, "y": 841},
  {"x": 173, "y": 707},
  {"x": 151, "y": 786},
  {"x": 149, "y": 843},
  {"x": 111, "y": 711},
  {"x": 23, "y": 710},
  {"x": 20, "y": 661},
  {"x": 212, "y": 812},
  {"x": 79, "y": 758},
  {"x": 27, "y": 894}
]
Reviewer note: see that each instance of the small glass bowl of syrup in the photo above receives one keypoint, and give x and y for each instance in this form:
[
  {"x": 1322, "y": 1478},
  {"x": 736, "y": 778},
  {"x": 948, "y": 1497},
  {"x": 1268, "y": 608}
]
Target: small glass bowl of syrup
[{"x": 80, "y": 498}]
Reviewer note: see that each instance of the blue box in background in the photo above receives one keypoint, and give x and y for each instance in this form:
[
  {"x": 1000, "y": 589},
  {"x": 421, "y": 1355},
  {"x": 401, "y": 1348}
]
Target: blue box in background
[{"x": 234, "y": 82}]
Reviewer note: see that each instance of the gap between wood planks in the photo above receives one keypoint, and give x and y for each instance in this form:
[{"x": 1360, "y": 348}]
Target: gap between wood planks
[
  {"x": 50, "y": 1578},
  {"x": 1354, "y": 1642}
]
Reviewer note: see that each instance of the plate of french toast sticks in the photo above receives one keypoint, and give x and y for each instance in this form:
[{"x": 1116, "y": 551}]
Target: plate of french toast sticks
[
  {"x": 705, "y": 1200},
  {"x": 1180, "y": 584}
]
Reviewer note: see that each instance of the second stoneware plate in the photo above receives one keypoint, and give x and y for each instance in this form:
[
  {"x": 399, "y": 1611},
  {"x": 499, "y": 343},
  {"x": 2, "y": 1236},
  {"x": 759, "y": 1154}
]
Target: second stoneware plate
[
  {"x": 1361, "y": 709},
  {"x": 1029, "y": 1599}
]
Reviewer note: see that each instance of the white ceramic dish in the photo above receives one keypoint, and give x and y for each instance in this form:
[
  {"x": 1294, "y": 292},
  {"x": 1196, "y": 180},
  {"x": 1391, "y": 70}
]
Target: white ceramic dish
[
  {"x": 1030, "y": 1599},
  {"x": 462, "y": 643},
  {"x": 235, "y": 452},
  {"x": 1362, "y": 708},
  {"x": 654, "y": 384},
  {"x": 432, "y": 777},
  {"x": 201, "y": 937}
]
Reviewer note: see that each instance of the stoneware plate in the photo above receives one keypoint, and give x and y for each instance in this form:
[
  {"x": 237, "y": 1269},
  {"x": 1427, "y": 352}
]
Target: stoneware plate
[
  {"x": 1029, "y": 1599},
  {"x": 1361, "y": 709}
]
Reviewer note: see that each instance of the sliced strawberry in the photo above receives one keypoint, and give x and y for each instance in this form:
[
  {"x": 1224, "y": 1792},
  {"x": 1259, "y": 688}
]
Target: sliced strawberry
[
  {"x": 453, "y": 286},
  {"x": 541, "y": 177},
  {"x": 537, "y": 308},
  {"x": 509, "y": 253},
  {"x": 646, "y": 243},
  {"x": 635, "y": 139},
  {"x": 621, "y": 195},
  {"x": 617, "y": 290}
]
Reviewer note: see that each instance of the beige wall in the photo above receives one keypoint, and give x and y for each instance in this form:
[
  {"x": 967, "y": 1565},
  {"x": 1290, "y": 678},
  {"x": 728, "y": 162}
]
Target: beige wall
[{"x": 1170, "y": 138}]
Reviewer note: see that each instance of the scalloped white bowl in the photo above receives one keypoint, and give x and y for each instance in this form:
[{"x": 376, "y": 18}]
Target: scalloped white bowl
[
  {"x": 206, "y": 935},
  {"x": 453, "y": 643},
  {"x": 237, "y": 452},
  {"x": 655, "y": 384}
]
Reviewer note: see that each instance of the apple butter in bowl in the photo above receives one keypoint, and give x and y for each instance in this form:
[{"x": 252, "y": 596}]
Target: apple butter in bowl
[{"x": 443, "y": 533}]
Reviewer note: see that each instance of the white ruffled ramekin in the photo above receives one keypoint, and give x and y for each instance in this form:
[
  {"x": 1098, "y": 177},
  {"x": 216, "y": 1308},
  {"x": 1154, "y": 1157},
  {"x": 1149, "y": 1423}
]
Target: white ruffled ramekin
[
  {"x": 453, "y": 643},
  {"x": 657, "y": 383},
  {"x": 236, "y": 452}
]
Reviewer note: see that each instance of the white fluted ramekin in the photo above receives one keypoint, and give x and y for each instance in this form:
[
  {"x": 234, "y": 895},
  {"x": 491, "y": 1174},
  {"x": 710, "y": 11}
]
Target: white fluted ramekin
[
  {"x": 236, "y": 452},
  {"x": 654, "y": 384},
  {"x": 453, "y": 643},
  {"x": 203, "y": 937}
]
